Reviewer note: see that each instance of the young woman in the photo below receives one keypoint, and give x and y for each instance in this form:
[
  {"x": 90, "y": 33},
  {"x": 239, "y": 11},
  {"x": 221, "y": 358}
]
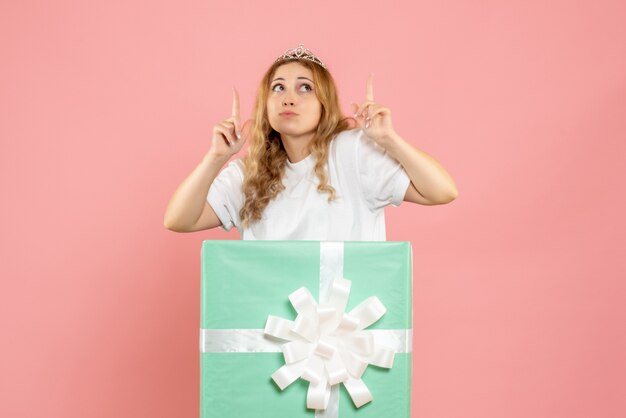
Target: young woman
[{"x": 310, "y": 173}]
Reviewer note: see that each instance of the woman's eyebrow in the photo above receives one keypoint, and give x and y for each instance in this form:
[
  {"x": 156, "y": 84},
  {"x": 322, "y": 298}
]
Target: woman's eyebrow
[{"x": 299, "y": 78}]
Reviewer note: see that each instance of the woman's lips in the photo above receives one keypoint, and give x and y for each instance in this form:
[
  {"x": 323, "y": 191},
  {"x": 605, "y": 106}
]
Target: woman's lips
[{"x": 288, "y": 114}]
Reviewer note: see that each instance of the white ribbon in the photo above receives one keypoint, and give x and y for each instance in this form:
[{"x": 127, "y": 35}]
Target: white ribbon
[{"x": 323, "y": 345}]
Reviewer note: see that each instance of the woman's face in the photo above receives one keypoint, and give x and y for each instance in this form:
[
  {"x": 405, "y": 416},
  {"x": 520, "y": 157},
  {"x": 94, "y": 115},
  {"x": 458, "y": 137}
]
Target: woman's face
[{"x": 292, "y": 105}]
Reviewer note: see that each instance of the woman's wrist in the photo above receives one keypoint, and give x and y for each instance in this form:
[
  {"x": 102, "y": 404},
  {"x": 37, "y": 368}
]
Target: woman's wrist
[
  {"x": 213, "y": 158},
  {"x": 394, "y": 144}
]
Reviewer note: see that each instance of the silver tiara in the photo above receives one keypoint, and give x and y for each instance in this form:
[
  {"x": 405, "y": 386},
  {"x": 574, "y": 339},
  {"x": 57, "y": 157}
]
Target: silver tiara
[{"x": 300, "y": 52}]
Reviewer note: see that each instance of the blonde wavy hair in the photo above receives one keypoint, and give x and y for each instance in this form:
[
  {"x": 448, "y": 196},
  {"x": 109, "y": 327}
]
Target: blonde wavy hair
[{"x": 267, "y": 158}]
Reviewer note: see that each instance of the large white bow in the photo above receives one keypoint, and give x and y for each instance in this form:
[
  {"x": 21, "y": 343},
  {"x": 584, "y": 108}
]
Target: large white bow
[{"x": 327, "y": 346}]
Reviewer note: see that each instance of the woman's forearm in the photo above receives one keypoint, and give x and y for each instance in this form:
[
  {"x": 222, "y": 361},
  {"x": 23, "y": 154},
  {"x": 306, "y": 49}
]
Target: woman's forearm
[
  {"x": 186, "y": 204},
  {"x": 428, "y": 176}
]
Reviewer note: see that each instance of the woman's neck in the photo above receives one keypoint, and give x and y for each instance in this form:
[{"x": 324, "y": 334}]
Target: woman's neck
[{"x": 297, "y": 147}]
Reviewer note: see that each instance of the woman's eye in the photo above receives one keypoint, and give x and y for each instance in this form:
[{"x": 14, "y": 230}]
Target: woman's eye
[{"x": 304, "y": 87}]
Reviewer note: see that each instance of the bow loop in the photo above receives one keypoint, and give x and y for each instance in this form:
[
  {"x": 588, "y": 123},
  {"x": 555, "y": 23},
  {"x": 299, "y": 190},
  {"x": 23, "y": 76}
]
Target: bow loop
[
  {"x": 368, "y": 311},
  {"x": 302, "y": 301},
  {"x": 278, "y": 327},
  {"x": 294, "y": 351}
]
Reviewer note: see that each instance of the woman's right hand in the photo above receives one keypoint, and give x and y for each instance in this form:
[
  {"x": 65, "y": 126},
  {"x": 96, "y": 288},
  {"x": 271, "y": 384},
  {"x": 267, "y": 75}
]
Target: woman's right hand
[{"x": 228, "y": 137}]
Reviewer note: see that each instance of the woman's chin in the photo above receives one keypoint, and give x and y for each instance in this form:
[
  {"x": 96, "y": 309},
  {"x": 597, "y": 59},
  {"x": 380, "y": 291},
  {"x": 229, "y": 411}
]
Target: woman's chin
[{"x": 292, "y": 132}]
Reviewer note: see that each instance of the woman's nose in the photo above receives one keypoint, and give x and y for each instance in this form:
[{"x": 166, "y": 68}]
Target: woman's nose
[{"x": 288, "y": 100}]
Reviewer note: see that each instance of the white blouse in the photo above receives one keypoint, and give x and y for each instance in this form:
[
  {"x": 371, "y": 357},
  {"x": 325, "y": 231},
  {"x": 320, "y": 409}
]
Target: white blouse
[{"x": 365, "y": 178}]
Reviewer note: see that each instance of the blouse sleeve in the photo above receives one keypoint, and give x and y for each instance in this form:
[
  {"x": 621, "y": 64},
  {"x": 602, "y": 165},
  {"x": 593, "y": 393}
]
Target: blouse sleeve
[
  {"x": 226, "y": 195},
  {"x": 383, "y": 179}
]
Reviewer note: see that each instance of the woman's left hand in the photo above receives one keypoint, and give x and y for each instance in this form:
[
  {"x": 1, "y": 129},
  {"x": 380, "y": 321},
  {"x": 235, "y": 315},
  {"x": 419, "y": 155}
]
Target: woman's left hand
[{"x": 374, "y": 118}]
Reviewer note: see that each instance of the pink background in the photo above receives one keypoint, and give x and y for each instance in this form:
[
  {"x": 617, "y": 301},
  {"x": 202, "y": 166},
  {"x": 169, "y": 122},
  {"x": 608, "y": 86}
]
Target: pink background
[{"x": 519, "y": 283}]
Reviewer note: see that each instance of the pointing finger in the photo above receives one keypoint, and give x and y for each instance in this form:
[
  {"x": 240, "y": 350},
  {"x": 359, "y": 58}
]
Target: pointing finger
[
  {"x": 369, "y": 95},
  {"x": 235, "y": 111}
]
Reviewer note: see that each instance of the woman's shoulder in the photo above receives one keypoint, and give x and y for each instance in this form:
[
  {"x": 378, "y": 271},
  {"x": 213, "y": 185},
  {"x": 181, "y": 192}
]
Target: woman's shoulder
[
  {"x": 237, "y": 164},
  {"x": 348, "y": 134},
  {"x": 354, "y": 144},
  {"x": 355, "y": 141},
  {"x": 347, "y": 140},
  {"x": 235, "y": 170}
]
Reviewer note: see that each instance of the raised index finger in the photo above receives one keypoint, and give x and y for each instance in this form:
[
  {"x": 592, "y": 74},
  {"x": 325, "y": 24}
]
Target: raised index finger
[
  {"x": 235, "y": 111},
  {"x": 369, "y": 95}
]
